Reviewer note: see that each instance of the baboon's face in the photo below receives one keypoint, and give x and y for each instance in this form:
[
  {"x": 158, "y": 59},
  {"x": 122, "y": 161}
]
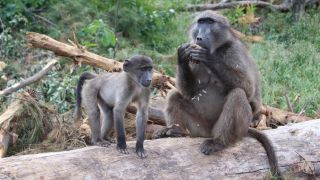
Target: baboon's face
[
  {"x": 140, "y": 68},
  {"x": 210, "y": 31}
]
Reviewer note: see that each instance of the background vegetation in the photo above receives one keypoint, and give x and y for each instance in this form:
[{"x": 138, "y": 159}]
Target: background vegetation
[{"x": 288, "y": 57}]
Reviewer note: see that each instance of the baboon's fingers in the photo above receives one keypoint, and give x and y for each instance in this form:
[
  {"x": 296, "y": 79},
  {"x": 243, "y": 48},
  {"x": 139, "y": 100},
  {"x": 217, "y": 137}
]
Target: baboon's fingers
[
  {"x": 123, "y": 150},
  {"x": 199, "y": 51},
  {"x": 140, "y": 153},
  {"x": 207, "y": 146},
  {"x": 199, "y": 57}
]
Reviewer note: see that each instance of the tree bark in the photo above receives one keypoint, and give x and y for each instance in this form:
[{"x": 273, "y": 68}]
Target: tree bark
[
  {"x": 297, "y": 148},
  {"x": 298, "y": 9},
  {"x": 81, "y": 55}
]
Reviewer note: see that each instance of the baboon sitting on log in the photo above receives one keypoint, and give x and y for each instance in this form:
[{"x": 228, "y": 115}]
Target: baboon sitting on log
[{"x": 218, "y": 92}]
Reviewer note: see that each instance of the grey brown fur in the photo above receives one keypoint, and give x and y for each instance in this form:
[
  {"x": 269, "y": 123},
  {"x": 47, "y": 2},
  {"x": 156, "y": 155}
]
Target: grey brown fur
[
  {"x": 111, "y": 93},
  {"x": 219, "y": 96}
]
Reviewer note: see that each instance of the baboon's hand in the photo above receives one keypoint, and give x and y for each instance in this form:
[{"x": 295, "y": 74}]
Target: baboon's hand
[
  {"x": 198, "y": 54},
  {"x": 173, "y": 131},
  {"x": 122, "y": 147},
  {"x": 140, "y": 150},
  {"x": 209, "y": 146},
  {"x": 183, "y": 54}
]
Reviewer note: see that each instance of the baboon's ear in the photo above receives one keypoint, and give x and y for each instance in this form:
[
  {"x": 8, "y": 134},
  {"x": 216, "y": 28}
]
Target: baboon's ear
[{"x": 126, "y": 65}]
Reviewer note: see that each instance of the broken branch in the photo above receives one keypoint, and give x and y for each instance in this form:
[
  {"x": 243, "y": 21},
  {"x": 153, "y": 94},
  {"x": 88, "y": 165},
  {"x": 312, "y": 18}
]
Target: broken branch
[
  {"x": 29, "y": 80},
  {"x": 81, "y": 55}
]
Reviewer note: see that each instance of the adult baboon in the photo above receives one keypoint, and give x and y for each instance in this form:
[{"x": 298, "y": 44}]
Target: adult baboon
[
  {"x": 218, "y": 89},
  {"x": 112, "y": 92}
]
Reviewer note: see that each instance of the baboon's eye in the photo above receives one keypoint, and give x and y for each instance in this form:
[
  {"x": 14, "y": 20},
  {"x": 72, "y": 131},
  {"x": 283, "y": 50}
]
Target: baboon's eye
[
  {"x": 206, "y": 20},
  {"x": 146, "y": 68},
  {"x": 210, "y": 21}
]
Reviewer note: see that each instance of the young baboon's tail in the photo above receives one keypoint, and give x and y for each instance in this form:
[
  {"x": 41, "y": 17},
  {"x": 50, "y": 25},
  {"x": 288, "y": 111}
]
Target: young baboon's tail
[
  {"x": 85, "y": 76},
  {"x": 273, "y": 160}
]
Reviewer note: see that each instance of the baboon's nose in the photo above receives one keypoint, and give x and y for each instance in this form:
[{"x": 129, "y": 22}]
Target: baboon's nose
[{"x": 199, "y": 38}]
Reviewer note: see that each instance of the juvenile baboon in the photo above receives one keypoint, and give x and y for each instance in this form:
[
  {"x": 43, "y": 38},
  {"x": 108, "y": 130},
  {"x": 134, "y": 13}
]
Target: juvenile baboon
[
  {"x": 111, "y": 93},
  {"x": 218, "y": 89}
]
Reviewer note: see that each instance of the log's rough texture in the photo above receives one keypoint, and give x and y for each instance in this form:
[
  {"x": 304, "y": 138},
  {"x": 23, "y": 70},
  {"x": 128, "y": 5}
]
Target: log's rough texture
[{"x": 297, "y": 147}]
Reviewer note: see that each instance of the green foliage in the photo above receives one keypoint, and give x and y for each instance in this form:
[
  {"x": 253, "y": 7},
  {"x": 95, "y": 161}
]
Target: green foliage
[
  {"x": 289, "y": 61},
  {"x": 235, "y": 14},
  {"x": 16, "y": 18},
  {"x": 98, "y": 34},
  {"x": 59, "y": 86}
]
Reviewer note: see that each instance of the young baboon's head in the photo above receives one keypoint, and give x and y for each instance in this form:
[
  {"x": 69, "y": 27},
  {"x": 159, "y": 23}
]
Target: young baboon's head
[
  {"x": 210, "y": 30},
  {"x": 139, "y": 67}
]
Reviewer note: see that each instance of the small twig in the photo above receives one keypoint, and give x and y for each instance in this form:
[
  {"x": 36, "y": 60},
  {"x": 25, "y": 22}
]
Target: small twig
[
  {"x": 296, "y": 100},
  {"x": 44, "y": 19},
  {"x": 308, "y": 164},
  {"x": 72, "y": 43},
  {"x": 75, "y": 39},
  {"x": 288, "y": 103},
  {"x": 304, "y": 108}
]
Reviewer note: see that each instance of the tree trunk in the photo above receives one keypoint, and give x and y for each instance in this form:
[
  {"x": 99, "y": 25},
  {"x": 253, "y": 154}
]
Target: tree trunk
[
  {"x": 297, "y": 148},
  {"x": 298, "y": 9},
  {"x": 232, "y": 5}
]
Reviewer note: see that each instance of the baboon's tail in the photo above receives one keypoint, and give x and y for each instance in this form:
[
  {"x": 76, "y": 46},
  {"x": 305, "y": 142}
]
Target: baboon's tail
[
  {"x": 85, "y": 76},
  {"x": 273, "y": 160}
]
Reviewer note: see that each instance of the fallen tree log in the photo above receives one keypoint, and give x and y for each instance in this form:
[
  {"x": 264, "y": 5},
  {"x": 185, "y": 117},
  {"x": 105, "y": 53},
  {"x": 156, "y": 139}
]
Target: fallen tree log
[
  {"x": 297, "y": 147},
  {"x": 81, "y": 55},
  {"x": 260, "y": 4}
]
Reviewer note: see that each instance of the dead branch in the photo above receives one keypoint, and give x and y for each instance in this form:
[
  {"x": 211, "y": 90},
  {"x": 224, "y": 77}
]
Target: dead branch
[
  {"x": 282, "y": 117},
  {"x": 231, "y": 5},
  {"x": 29, "y": 80},
  {"x": 5, "y": 121},
  {"x": 288, "y": 103},
  {"x": 81, "y": 55}
]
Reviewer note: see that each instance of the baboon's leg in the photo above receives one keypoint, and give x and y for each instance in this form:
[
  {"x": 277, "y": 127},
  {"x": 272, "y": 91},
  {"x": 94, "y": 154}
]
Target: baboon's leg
[
  {"x": 91, "y": 105},
  {"x": 107, "y": 120},
  {"x": 233, "y": 122},
  {"x": 181, "y": 115},
  {"x": 142, "y": 116},
  {"x": 118, "y": 115}
]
